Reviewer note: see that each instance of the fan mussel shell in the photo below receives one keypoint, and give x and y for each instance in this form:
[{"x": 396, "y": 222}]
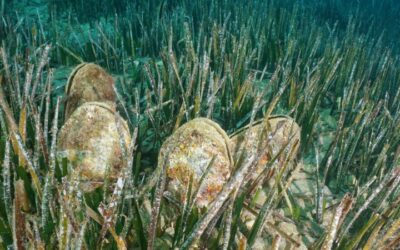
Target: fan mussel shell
[
  {"x": 282, "y": 133},
  {"x": 189, "y": 151},
  {"x": 88, "y": 83},
  {"x": 90, "y": 139}
]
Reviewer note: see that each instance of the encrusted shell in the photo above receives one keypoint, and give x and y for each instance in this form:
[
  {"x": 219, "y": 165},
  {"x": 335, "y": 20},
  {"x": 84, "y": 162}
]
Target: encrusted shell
[
  {"x": 88, "y": 83},
  {"x": 189, "y": 151},
  {"x": 90, "y": 139},
  {"x": 283, "y": 132}
]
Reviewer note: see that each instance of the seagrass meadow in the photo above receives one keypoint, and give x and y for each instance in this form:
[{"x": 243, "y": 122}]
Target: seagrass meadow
[{"x": 333, "y": 66}]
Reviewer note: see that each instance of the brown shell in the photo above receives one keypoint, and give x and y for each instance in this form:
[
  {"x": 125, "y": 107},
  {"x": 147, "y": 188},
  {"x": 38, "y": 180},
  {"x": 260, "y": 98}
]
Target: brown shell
[
  {"x": 91, "y": 131},
  {"x": 283, "y": 131},
  {"x": 88, "y": 83},
  {"x": 189, "y": 151}
]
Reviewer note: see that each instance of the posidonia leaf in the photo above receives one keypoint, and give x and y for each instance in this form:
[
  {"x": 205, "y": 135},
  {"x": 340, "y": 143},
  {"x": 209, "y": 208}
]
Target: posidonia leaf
[{"x": 22, "y": 131}]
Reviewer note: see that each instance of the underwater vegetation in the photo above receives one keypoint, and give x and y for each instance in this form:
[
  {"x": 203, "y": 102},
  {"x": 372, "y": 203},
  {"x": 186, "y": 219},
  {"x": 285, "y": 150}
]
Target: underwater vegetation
[{"x": 333, "y": 66}]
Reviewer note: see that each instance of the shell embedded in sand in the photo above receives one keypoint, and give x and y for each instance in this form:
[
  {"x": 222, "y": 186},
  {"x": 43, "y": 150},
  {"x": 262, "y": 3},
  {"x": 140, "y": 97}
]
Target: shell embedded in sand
[
  {"x": 88, "y": 83},
  {"x": 189, "y": 151},
  {"x": 283, "y": 132},
  {"x": 92, "y": 132}
]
